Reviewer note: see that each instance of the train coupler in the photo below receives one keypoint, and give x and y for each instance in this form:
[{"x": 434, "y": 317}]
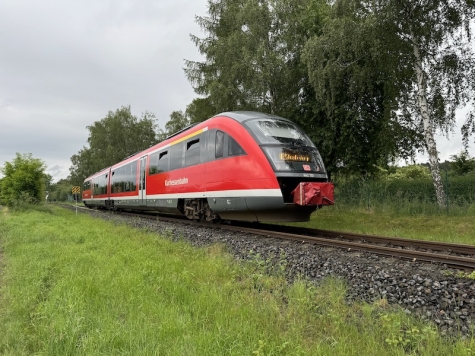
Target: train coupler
[{"x": 313, "y": 193}]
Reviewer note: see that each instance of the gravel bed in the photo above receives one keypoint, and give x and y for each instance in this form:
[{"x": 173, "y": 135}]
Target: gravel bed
[{"x": 431, "y": 292}]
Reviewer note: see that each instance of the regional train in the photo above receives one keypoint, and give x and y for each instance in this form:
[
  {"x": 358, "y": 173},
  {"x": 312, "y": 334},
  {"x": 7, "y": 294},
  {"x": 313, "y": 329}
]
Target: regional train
[{"x": 245, "y": 166}]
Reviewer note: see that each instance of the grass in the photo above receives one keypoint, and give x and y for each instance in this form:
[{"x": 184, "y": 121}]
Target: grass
[
  {"x": 74, "y": 285},
  {"x": 441, "y": 227}
]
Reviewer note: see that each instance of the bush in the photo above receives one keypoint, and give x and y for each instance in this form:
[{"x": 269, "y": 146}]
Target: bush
[
  {"x": 412, "y": 196},
  {"x": 24, "y": 174}
]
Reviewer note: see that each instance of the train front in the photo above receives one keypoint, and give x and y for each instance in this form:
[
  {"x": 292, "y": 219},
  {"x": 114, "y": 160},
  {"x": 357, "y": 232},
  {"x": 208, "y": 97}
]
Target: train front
[{"x": 297, "y": 164}]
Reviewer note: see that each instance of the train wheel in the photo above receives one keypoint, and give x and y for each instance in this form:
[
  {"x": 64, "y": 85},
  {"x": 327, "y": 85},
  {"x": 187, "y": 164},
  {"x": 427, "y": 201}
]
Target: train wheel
[{"x": 198, "y": 209}]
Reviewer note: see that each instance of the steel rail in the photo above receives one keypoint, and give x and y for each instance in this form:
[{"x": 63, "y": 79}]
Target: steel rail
[
  {"x": 449, "y": 260},
  {"x": 329, "y": 240},
  {"x": 396, "y": 241}
]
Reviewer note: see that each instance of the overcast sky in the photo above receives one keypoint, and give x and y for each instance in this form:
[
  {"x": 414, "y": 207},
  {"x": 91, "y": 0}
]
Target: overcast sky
[{"x": 65, "y": 64}]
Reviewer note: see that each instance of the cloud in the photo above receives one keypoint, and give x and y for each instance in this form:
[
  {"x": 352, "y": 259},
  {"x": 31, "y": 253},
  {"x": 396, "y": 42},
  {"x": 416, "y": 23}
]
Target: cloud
[{"x": 66, "y": 64}]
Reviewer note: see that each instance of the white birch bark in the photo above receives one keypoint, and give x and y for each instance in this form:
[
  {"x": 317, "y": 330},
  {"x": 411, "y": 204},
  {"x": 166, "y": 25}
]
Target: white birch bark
[{"x": 428, "y": 128}]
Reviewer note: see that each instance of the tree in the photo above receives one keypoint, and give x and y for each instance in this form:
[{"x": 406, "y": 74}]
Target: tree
[
  {"x": 433, "y": 38},
  {"x": 118, "y": 135},
  {"x": 443, "y": 65},
  {"x": 200, "y": 109},
  {"x": 253, "y": 61},
  {"x": 252, "y": 51},
  {"x": 61, "y": 190},
  {"x": 24, "y": 179},
  {"x": 462, "y": 163},
  {"x": 355, "y": 91},
  {"x": 178, "y": 121}
]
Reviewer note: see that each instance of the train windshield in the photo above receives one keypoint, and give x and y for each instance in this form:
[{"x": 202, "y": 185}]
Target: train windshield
[
  {"x": 269, "y": 131},
  {"x": 287, "y": 147}
]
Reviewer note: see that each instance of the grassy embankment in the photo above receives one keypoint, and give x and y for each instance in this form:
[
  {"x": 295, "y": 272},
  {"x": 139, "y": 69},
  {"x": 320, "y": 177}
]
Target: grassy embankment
[
  {"x": 73, "y": 285},
  {"x": 457, "y": 228}
]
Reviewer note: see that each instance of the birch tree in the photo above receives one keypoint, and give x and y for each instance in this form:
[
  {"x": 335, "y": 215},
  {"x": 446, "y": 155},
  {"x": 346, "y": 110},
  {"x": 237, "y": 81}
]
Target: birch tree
[
  {"x": 437, "y": 34},
  {"x": 423, "y": 51}
]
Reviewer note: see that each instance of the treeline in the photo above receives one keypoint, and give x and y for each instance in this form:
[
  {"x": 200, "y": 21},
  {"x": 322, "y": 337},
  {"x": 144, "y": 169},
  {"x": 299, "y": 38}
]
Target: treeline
[{"x": 370, "y": 81}]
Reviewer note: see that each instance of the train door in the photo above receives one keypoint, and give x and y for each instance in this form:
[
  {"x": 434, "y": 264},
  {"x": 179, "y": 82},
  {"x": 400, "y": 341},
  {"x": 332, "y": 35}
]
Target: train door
[{"x": 142, "y": 187}]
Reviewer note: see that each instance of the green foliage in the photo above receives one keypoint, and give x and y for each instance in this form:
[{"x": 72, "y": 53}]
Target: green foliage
[
  {"x": 403, "y": 194},
  {"x": 341, "y": 89},
  {"x": 24, "y": 181},
  {"x": 252, "y": 54},
  {"x": 200, "y": 109},
  {"x": 431, "y": 63},
  {"x": 61, "y": 190},
  {"x": 462, "y": 163},
  {"x": 345, "y": 70},
  {"x": 409, "y": 173},
  {"x": 178, "y": 121},
  {"x": 357, "y": 91},
  {"x": 408, "y": 338},
  {"x": 118, "y": 135},
  {"x": 23, "y": 202}
]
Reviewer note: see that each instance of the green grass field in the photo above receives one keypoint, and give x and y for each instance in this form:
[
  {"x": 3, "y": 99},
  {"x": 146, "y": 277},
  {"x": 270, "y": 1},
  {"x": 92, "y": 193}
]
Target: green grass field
[
  {"x": 74, "y": 285},
  {"x": 449, "y": 228}
]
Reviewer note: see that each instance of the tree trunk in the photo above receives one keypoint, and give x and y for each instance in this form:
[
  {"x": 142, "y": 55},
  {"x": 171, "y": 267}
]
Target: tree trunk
[{"x": 428, "y": 128}]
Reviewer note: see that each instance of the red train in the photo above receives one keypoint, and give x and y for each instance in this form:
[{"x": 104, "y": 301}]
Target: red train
[{"x": 236, "y": 166}]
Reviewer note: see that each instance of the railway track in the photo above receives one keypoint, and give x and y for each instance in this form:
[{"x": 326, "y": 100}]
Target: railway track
[{"x": 453, "y": 255}]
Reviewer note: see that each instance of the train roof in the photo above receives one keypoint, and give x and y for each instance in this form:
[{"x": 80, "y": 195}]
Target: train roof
[{"x": 242, "y": 116}]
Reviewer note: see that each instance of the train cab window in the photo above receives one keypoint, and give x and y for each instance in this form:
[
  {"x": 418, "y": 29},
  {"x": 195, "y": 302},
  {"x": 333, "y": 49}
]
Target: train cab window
[
  {"x": 233, "y": 147},
  {"x": 219, "y": 150},
  {"x": 176, "y": 153},
  {"x": 163, "y": 162},
  {"x": 192, "y": 154}
]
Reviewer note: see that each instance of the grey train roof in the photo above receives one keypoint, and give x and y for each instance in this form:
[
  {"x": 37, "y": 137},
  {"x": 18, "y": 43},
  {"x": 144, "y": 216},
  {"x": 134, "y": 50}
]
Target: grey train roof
[{"x": 242, "y": 116}]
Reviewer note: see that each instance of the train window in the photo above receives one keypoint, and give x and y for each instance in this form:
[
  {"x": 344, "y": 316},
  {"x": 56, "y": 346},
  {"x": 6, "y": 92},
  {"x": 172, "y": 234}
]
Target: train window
[
  {"x": 117, "y": 185},
  {"x": 219, "y": 150},
  {"x": 192, "y": 155},
  {"x": 163, "y": 162},
  {"x": 101, "y": 186},
  {"x": 124, "y": 178},
  {"x": 176, "y": 153},
  {"x": 133, "y": 176},
  {"x": 153, "y": 165},
  {"x": 278, "y": 131},
  {"x": 115, "y": 174},
  {"x": 233, "y": 148}
]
